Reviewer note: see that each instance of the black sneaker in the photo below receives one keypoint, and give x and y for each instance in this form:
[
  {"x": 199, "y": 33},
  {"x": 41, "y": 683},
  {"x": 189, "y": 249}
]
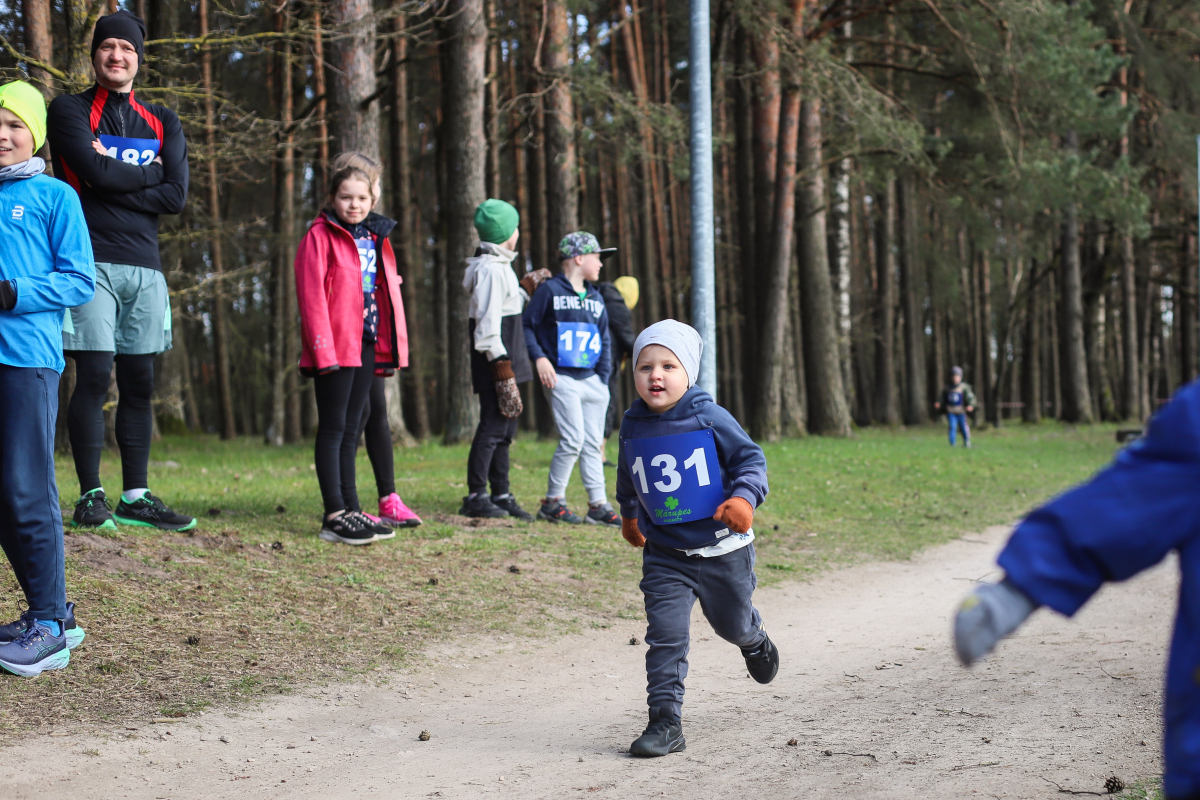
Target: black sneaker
[
  {"x": 762, "y": 662},
  {"x": 13, "y": 630},
  {"x": 480, "y": 505},
  {"x": 344, "y": 528},
  {"x": 374, "y": 525},
  {"x": 150, "y": 512},
  {"x": 557, "y": 511},
  {"x": 602, "y": 515},
  {"x": 663, "y": 735},
  {"x": 93, "y": 511},
  {"x": 509, "y": 504}
]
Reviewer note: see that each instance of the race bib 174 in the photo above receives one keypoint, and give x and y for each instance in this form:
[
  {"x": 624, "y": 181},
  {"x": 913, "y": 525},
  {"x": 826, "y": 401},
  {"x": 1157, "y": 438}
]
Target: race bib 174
[
  {"x": 131, "y": 151},
  {"x": 678, "y": 477},
  {"x": 579, "y": 345}
]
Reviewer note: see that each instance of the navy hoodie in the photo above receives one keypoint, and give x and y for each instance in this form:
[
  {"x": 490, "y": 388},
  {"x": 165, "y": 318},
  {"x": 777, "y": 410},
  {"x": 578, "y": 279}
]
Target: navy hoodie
[
  {"x": 569, "y": 331},
  {"x": 679, "y": 483}
]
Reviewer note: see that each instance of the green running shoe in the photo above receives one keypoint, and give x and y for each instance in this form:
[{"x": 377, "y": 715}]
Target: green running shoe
[{"x": 93, "y": 511}]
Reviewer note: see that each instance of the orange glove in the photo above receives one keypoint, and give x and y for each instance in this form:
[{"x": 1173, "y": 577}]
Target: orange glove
[
  {"x": 737, "y": 513},
  {"x": 629, "y": 529}
]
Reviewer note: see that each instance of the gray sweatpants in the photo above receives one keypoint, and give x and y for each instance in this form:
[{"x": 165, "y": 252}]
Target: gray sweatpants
[
  {"x": 671, "y": 582},
  {"x": 579, "y": 410}
]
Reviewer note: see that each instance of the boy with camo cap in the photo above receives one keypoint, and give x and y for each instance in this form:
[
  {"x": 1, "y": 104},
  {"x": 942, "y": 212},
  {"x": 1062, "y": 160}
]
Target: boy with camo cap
[{"x": 566, "y": 333}]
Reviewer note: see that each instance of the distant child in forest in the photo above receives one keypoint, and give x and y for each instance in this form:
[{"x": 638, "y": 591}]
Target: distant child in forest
[
  {"x": 688, "y": 481},
  {"x": 566, "y": 331},
  {"x": 958, "y": 400},
  {"x": 499, "y": 357},
  {"x": 352, "y": 324},
  {"x": 46, "y": 267},
  {"x": 1128, "y": 518},
  {"x": 374, "y": 428}
]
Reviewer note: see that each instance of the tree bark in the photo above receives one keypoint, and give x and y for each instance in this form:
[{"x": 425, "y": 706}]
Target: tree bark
[
  {"x": 81, "y": 18},
  {"x": 1130, "y": 396},
  {"x": 321, "y": 114},
  {"x": 227, "y": 426},
  {"x": 466, "y": 162},
  {"x": 828, "y": 413},
  {"x": 39, "y": 42},
  {"x": 887, "y": 406},
  {"x": 766, "y": 113},
  {"x": 916, "y": 406},
  {"x": 285, "y": 219},
  {"x": 352, "y": 56},
  {"x": 1077, "y": 401},
  {"x": 405, "y": 236},
  {"x": 986, "y": 367},
  {"x": 839, "y": 219},
  {"x": 1187, "y": 308},
  {"x": 562, "y": 168}
]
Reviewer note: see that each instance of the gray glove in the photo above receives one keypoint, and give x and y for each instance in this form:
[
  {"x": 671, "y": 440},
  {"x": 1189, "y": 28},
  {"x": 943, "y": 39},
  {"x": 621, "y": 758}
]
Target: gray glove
[{"x": 987, "y": 615}]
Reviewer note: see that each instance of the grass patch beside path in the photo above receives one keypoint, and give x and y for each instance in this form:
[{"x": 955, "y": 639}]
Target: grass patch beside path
[{"x": 252, "y": 603}]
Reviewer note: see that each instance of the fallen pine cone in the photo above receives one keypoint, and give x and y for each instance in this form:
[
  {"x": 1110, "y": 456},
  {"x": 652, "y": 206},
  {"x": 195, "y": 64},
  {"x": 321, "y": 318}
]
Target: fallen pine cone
[
  {"x": 634, "y": 640},
  {"x": 792, "y": 743},
  {"x": 514, "y": 569},
  {"x": 424, "y": 737},
  {"x": 1114, "y": 785}
]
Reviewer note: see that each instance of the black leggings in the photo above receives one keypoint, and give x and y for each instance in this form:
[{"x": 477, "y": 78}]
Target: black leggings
[
  {"x": 341, "y": 398},
  {"x": 379, "y": 438},
  {"x": 135, "y": 421}
]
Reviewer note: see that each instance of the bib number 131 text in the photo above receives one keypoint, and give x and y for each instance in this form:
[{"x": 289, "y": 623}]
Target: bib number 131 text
[{"x": 672, "y": 480}]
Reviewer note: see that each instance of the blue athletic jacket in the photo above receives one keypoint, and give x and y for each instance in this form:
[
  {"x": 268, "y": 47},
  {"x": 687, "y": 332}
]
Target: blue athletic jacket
[
  {"x": 47, "y": 254},
  {"x": 561, "y": 327},
  {"x": 740, "y": 462},
  {"x": 1126, "y": 519}
]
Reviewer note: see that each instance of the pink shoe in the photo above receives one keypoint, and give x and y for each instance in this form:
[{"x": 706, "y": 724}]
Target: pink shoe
[{"x": 392, "y": 511}]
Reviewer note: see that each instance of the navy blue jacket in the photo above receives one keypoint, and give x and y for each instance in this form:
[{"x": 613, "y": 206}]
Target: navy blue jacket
[
  {"x": 743, "y": 466},
  {"x": 556, "y": 301},
  {"x": 1145, "y": 505}
]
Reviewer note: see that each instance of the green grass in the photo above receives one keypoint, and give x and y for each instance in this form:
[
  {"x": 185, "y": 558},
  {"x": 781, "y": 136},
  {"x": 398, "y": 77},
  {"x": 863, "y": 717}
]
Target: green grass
[{"x": 270, "y": 607}]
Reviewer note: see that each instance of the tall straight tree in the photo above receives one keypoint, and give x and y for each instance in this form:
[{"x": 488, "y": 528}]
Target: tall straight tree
[
  {"x": 355, "y": 114},
  {"x": 220, "y": 330},
  {"x": 912, "y": 285},
  {"x": 39, "y": 42},
  {"x": 828, "y": 411},
  {"x": 466, "y": 162},
  {"x": 1076, "y": 397},
  {"x": 284, "y": 223},
  {"x": 887, "y": 406},
  {"x": 562, "y": 167}
]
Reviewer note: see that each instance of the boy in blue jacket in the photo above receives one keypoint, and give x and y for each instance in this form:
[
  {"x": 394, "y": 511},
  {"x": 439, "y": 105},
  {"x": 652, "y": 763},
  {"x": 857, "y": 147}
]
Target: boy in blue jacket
[
  {"x": 45, "y": 267},
  {"x": 688, "y": 481},
  {"x": 566, "y": 334},
  {"x": 1126, "y": 519}
]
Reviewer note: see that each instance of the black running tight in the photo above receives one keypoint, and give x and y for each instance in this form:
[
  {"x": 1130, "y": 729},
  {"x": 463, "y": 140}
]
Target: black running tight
[
  {"x": 135, "y": 421},
  {"x": 379, "y": 438},
  {"x": 341, "y": 398}
]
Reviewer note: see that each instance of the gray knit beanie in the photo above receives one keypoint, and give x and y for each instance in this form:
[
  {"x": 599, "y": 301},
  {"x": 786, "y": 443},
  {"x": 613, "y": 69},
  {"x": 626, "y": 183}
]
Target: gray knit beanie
[{"x": 682, "y": 340}]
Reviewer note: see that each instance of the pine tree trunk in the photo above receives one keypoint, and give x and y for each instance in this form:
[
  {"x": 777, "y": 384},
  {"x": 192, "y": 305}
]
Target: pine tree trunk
[
  {"x": 887, "y": 406},
  {"x": 987, "y": 370},
  {"x": 828, "y": 413},
  {"x": 39, "y": 42},
  {"x": 839, "y": 220},
  {"x": 1077, "y": 401},
  {"x": 466, "y": 158},
  {"x": 493, "y": 102},
  {"x": 284, "y": 240},
  {"x": 1130, "y": 405},
  {"x": 916, "y": 406},
  {"x": 80, "y": 24},
  {"x": 1189, "y": 369},
  {"x": 321, "y": 112},
  {"x": 862, "y": 296},
  {"x": 766, "y": 114},
  {"x": 352, "y": 58},
  {"x": 227, "y": 425},
  {"x": 562, "y": 168},
  {"x": 406, "y": 235}
]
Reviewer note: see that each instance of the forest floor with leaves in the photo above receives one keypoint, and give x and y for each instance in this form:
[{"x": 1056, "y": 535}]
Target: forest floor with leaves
[{"x": 252, "y": 604}]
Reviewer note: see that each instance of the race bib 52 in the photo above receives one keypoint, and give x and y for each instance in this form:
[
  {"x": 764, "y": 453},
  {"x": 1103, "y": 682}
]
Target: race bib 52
[
  {"x": 678, "y": 477},
  {"x": 366, "y": 262}
]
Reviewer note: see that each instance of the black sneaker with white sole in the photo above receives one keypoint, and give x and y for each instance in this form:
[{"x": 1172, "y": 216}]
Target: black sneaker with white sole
[
  {"x": 663, "y": 735},
  {"x": 557, "y": 511},
  {"x": 762, "y": 662},
  {"x": 345, "y": 529},
  {"x": 602, "y": 515},
  {"x": 374, "y": 525},
  {"x": 509, "y": 504}
]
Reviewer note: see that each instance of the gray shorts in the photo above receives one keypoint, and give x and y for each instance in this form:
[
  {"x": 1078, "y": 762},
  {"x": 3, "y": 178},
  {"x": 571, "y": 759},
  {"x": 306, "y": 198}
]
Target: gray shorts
[{"x": 130, "y": 314}]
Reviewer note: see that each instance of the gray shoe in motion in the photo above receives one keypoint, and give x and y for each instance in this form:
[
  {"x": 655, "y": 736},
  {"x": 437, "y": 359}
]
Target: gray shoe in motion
[{"x": 663, "y": 735}]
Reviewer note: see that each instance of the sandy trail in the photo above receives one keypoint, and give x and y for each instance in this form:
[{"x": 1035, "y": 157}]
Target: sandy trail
[{"x": 867, "y": 675}]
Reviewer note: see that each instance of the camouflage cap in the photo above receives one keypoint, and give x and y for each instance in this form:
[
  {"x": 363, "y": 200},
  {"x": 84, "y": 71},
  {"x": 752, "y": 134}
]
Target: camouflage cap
[{"x": 582, "y": 243}]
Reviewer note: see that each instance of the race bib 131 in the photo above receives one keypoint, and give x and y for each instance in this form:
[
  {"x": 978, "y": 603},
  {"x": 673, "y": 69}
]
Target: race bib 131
[{"x": 678, "y": 477}]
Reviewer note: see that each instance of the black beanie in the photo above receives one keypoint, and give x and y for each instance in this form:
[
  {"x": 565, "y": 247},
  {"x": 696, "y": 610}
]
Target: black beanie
[{"x": 121, "y": 25}]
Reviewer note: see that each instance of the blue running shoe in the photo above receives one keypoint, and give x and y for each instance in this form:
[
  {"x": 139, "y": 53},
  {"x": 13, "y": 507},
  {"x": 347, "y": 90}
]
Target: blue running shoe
[
  {"x": 35, "y": 651},
  {"x": 74, "y": 633}
]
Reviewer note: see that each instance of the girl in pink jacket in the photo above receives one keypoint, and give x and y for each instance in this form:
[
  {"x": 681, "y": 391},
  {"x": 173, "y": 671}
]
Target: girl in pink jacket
[{"x": 352, "y": 325}]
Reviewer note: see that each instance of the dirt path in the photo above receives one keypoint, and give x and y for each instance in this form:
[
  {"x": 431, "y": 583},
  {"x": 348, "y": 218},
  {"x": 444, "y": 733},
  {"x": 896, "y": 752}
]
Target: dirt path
[{"x": 867, "y": 675}]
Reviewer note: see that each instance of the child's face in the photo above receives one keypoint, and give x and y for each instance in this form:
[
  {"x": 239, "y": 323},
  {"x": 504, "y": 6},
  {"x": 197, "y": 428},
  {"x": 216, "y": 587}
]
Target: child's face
[
  {"x": 660, "y": 379},
  {"x": 16, "y": 140},
  {"x": 957, "y": 379},
  {"x": 590, "y": 266},
  {"x": 353, "y": 201}
]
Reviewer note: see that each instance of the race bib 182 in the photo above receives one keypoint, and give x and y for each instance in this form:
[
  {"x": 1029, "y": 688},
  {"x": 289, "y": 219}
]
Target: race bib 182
[
  {"x": 366, "y": 262},
  {"x": 131, "y": 151},
  {"x": 579, "y": 344},
  {"x": 678, "y": 477}
]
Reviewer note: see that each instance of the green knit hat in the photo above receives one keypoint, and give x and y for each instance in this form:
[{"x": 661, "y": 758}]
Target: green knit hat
[
  {"x": 496, "y": 220},
  {"x": 27, "y": 103}
]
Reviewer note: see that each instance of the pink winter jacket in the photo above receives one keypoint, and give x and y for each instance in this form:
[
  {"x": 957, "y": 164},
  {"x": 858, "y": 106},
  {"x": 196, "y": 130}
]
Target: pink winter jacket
[{"x": 330, "y": 295}]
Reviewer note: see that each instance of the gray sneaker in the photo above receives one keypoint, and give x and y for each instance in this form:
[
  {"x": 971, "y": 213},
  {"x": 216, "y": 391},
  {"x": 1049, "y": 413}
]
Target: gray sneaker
[
  {"x": 557, "y": 511},
  {"x": 602, "y": 515},
  {"x": 35, "y": 651},
  {"x": 13, "y": 630}
]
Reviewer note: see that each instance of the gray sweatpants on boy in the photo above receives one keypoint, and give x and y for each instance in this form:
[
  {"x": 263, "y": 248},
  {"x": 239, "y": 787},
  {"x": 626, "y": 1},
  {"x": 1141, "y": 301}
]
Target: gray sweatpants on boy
[
  {"x": 671, "y": 582},
  {"x": 579, "y": 407}
]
